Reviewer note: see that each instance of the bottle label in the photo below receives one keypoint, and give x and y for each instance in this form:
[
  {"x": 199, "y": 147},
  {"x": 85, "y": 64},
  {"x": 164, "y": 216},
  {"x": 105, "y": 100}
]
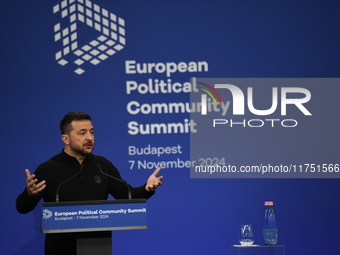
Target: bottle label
[{"x": 270, "y": 236}]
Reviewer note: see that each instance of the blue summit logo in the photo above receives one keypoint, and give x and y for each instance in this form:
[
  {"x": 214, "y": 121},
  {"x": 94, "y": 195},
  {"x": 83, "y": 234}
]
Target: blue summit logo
[
  {"x": 47, "y": 214},
  {"x": 109, "y": 34}
]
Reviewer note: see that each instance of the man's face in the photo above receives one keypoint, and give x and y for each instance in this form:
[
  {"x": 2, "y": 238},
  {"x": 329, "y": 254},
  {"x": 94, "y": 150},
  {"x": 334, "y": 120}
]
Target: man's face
[{"x": 81, "y": 138}]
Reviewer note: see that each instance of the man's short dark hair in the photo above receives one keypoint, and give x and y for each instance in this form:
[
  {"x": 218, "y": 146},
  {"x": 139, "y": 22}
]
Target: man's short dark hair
[{"x": 65, "y": 123}]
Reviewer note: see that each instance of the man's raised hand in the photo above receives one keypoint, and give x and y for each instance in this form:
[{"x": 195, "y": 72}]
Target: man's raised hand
[
  {"x": 153, "y": 181},
  {"x": 33, "y": 187}
]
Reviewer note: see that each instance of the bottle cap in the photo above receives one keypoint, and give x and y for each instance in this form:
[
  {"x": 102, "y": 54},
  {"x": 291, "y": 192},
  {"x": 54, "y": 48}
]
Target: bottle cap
[{"x": 269, "y": 203}]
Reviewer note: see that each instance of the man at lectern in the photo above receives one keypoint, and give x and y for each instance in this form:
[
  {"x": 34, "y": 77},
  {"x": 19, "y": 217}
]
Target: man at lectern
[{"x": 75, "y": 174}]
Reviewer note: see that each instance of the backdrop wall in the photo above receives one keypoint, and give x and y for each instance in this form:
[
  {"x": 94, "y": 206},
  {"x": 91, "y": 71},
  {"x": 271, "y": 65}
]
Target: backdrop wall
[{"x": 117, "y": 60}]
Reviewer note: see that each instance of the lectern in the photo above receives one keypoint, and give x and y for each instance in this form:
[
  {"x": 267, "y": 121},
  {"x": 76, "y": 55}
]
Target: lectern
[{"x": 94, "y": 221}]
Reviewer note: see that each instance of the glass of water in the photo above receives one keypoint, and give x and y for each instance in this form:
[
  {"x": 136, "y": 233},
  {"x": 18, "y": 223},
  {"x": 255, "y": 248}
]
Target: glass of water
[{"x": 246, "y": 237}]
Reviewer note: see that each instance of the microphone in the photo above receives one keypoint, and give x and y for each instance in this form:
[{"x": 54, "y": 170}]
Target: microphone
[
  {"x": 57, "y": 193},
  {"x": 127, "y": 185}
]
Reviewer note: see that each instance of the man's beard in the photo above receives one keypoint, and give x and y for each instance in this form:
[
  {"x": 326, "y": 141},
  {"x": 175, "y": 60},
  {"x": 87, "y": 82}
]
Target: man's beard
[{"x": 80, "y": 150}]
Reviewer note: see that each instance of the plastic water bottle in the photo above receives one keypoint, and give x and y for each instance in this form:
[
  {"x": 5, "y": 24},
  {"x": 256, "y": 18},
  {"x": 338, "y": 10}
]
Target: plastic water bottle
[{"x": 270, "y": 232}]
